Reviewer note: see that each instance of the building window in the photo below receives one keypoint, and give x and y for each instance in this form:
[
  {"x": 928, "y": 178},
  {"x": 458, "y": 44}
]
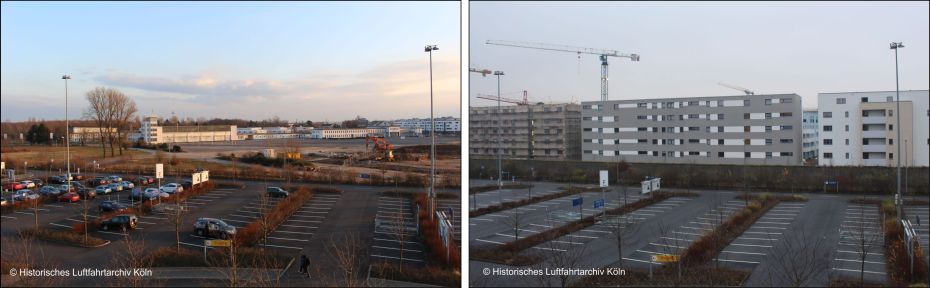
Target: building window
[
  {"x": 827, "y": 114},
  {"x": 865, "y": 99},
  {"x": 768, "y": 142},
  {"x": 865, "y": 155},
  {"x": 746, "y": 116},
  {"x": 786, "y": 141},
  {"x": 847, "y": 141},
  {"x": 827, "y": 141},
  {"x": 847, "y": 155},
  {"x": 891, "y": 156},
  {"x": 787, "y": 127},
  {"x": 889, "y": 99},
  {"x": 768, "y": 102},
  {"x": 890, "y": 113},
  {"x": 840, "y": 100},
  {"x": 747, "y": 155},
  {"x": 768, "y": 115},
  {"x": 847, "y": 128},
  {"x": 847, "y": 114},
  {"x": 768, "y": 128},
  {"x": 890, "y": 127},
  {"x": 890, "y": 141},
  {"x": 827, "y": 128},
  {"x": 827, "y": 155},
  {"x": 746, "y": 103},
  {"x": 720, "y": 154},
  {"x": 768, "y": 155},
  {"x": 786, "y": 100}
]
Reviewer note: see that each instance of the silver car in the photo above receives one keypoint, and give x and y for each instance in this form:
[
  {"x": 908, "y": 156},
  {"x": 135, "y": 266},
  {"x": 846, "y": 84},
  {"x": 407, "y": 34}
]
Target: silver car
[{"x": 49, "y": 191}]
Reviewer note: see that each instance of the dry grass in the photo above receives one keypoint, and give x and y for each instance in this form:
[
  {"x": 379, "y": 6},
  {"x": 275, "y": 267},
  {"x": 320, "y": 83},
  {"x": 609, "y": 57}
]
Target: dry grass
[
  {"x": 66, "y": 237},
  {"x": 428, "y": 275}
]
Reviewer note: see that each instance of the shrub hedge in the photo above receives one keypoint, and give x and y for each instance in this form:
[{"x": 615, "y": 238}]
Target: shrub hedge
[{"x": 251, "y": 234}]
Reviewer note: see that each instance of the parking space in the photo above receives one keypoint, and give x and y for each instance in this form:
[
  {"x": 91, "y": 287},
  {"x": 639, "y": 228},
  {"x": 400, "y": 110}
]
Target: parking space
[
  {"x": 754, "y": 245},
  {"x": 395, "y": 237},
  {"x": 296, "y": 232},
  {"x": 860, "y": 235},
  {"x": 921, "y": 227},
  {"x": 675, "y": 239},
  {"x": 491, "y": 198},
  {"x": 456, "y": 206},
  {"x": 535, "y": 218}
]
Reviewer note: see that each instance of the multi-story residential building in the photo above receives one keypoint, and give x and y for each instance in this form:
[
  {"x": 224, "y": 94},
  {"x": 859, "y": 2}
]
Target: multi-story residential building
[
  {"x": 150, "y": 132},
  {"x": 540, "y": 131},
  {"x": 810, "y": 135},
  {"x": 349, "y": 133},
  {"x": 859, "y": 128},
  {"x": 750, "y": 129},
  {"x": 443, "y": 124}
]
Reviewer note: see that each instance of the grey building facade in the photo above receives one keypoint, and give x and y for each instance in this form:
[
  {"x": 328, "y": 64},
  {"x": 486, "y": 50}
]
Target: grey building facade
[
  {"x": 538, "y": 131},
  {"x": 750, "y": 129}
]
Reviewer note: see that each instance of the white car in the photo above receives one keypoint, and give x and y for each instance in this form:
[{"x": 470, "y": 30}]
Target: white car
[
  {"x": 28, "y": 184},
  {"x": 115, "y": 178},
  {"x": 172, "y": 188},
  {"x": 24, "y": 194},
  {"x": 149, "y": 194},
  {"x": 127, "y": 185}
]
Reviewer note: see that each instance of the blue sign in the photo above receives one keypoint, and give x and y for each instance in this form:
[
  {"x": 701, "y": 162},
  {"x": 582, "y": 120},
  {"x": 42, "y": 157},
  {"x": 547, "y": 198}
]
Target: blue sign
[
  {"x": 830, "y": 183},
  {"x": 577, "y": 201},
  {"x": 599, "y": 203},
  {"x": 364, "y": 176}
]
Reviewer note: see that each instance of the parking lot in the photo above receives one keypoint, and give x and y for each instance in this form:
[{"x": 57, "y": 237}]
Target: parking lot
[
  {"x": 296, "y": 232},
  {"x": 755, "y": 244},
  {"x": 395, "y": 236},
  {"x": 860, "y": 234},
  {"x": 491, "y": 198},
  {"x": 672, "y": 240},
  {"x": 913, "y": 212}
]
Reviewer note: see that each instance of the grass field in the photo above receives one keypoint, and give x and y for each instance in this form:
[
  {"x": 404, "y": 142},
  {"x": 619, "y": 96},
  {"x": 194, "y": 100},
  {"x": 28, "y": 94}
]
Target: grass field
[{"x": 44, "y": 154}]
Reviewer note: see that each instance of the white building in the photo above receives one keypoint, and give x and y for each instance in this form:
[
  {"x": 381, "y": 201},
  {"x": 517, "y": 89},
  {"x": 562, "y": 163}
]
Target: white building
[
  {"x": 858, "y": 128},
  {"x": 349, "y": 133},
  {"x": 88, "y": 134},
  {"x": 150, "y": 132},
  {"x": 810, "y": 134},
  {"x": 443, "y": 124}
]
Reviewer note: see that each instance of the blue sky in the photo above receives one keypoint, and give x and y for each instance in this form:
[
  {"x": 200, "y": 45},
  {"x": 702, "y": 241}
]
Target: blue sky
[
  {"x": 296, "y": 60},
  {"x": 686, "y": 48}
]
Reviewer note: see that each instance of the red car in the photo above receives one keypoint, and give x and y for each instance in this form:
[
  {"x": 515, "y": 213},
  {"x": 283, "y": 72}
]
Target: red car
[
  {"x": 70, "y": 197},
  {"x": 13, "y": 186}
]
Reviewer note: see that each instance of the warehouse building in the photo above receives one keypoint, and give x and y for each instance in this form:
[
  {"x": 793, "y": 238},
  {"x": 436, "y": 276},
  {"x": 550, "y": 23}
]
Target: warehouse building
[
  {"x": 858, "y": 128},
  {"x": 540, "y": 131},
  {"x": 749, "y": 129},
  {"x": 151, "y": 133}
]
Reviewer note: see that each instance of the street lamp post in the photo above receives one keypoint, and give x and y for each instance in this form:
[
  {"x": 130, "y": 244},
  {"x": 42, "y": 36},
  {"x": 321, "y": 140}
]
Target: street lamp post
[
  {"x": 67, "y": 134},
  {"x": 894, "y": 46},
  {"x": 500, "y": 125},
  {"x": 432, "y": 135}
]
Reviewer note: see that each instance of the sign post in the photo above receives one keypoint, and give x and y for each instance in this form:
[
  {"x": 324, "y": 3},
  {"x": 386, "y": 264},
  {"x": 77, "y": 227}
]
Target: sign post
[
  {"x": 577, "y": 202},
  {"x": 604, "y": 183},
  {"x": 159, "y": 174},
  {"x": 214, "y": 243}
]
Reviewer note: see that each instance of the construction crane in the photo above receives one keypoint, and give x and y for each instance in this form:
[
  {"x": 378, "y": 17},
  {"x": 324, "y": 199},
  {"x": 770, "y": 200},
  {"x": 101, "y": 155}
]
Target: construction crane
[
  {"x": 744, "y": 90},
  {"x": 503, "y": 99},
  {"x": 602, "y": 53},
  {"x": 381, "y": 148},
  {"x": 483, "y": 72}
]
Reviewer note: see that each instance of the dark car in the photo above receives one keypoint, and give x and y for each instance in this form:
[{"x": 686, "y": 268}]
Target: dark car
[
  {"x": 87, "y": 194},
  {"x": 39, "y": 183},
  {"x": 77, "y": 177},
  {"x": 57, "y": 180},
  {"x": 151, "y": 179},
  {"x": 120, "y": 222},
  {"x": 111, "y": 206},
  {"x": 213, "y": 228},
  {"x": 97, "y": 182},
  {"x": 277, "y": 192},
  {"x": 187, "y": 184}
]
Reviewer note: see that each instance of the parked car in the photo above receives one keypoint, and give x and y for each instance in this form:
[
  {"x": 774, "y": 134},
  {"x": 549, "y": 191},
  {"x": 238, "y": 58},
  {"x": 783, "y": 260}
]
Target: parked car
[
  {"x": 114, "y": 178},
  {"x": 213, "y": 228},
  {"x": 120, "y": 222},
  {"x": 277, "y": 192},
  {"x": 116, "y": 187},
  {"x": 127, "y": 185},
  {"x": 104, "y": 189},
  {"x": 3, "y": 202},
  {"x": 24, "y": 194},
  {"x": 98, "y": 181},
  {"x": 75, "y": 187},
  {"x": 87, "y": 194},
  {"x": 13, "y": 186},
  {"x": 77, "y": 177},
  {"x": 111, "y": 206},
  {"x": 28, "y": 184},
  {"x": 148, "y": 194},
  {"x": 187, "y": 184},
  {"x": 69, "y": 197},
  {"x": 49, "y": 191},
  {"x": 67, "y": 177},
  {"x": 172, "y": 188},
  {"x": 38, "y": 182},
  {"x": 57, "y": 180},
  {"x": 150, "y": 179}
]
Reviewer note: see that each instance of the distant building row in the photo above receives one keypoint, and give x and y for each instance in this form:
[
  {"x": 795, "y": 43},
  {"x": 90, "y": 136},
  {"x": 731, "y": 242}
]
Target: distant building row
[{"x": 854, "y": 128}]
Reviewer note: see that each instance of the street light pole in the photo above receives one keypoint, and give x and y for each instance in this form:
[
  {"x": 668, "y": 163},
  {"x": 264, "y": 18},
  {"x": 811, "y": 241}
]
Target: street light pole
[
  {"x": 67, "y": 134},
  {"x": 500, "y": 125},
  {"x": 897, "y": 89},
  {"x": 432, "y": 135}
]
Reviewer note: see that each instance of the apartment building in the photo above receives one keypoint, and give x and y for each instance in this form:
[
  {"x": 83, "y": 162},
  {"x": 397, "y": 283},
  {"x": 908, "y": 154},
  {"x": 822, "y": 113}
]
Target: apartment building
[
  {"x": 810, "y": 134},
  {"x": 443, "y": 124},
  {"x": 539, "y": 131},
  {"x": 859, "y": 128},
  {"x": 749, "y": 129}
]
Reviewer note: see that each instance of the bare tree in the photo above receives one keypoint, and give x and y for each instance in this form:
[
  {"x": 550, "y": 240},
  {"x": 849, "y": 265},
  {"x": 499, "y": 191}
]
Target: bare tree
[
  {"x": 99, "y": 111},
  {"x": 567, "y": 255},
  {"x": 124, "y": 110},
  {"x": 864, "y": 240},
  {"x": 797, "y": 260},
  {"x": 397, "y": 228},
  {"x": 672, "y": 243},
  {"x": 177, "y": 214},
  {"x": 514, "y": 222},
  {"x": 130, "y": 257},
  {"x": 19, "y": 252},
  {"x": 619, "y": 226},
  {"x": 348, "y": 254}
]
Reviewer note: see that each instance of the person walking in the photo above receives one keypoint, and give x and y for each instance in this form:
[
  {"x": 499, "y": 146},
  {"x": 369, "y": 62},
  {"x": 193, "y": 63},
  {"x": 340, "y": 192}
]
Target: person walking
[
  {"x": 307, "y": 265},
  {"x": 303, "y": 264}
]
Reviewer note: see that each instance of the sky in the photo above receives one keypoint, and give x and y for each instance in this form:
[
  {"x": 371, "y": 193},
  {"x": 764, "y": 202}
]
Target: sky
[
  {"x": 320, "y": 61},
  {"x": 686, "y": 49}
]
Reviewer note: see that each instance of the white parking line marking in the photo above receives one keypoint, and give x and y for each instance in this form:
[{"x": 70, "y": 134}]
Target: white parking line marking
[
  {"x": 737, "y": 261},
  {"x": 389, "y": 257},
  {"x": 857, "y": 271},
  {"x": 288, "y": 239}
]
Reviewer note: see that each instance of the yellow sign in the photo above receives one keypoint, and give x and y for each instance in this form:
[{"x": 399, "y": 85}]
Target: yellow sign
[
  {"x": 664, "y": 258},
  {"x": 217, "y": 243}
]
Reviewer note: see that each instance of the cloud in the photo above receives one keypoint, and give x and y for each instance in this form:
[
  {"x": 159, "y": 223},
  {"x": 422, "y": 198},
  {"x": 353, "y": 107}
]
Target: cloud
[{"x": 204, "y": 88}]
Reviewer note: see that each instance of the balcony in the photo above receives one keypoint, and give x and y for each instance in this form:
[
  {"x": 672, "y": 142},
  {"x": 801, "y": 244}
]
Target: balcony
[
  {"x": 875, "y": 134},
  {"x": 875, "y": 162},
  {"x": 875, "y": 148},
  {"x": 874, "y": 120}
]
